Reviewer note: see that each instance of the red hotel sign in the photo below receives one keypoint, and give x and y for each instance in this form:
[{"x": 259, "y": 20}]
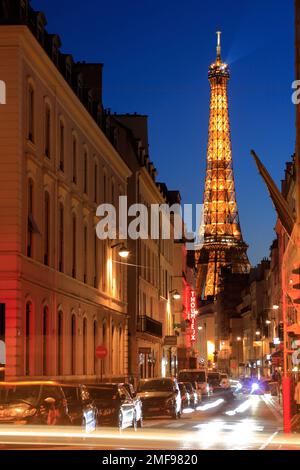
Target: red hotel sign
[{"x": 191, "y": 314}]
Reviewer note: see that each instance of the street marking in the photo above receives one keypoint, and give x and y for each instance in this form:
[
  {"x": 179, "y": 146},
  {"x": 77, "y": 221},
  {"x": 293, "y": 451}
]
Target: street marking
[
  {"x": 268, "y": 441},
  {"x": 175, "y": 425}
]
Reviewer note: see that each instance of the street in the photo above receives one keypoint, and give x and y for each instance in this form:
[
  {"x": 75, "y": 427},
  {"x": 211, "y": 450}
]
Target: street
[{"x": 247, "y": 423}]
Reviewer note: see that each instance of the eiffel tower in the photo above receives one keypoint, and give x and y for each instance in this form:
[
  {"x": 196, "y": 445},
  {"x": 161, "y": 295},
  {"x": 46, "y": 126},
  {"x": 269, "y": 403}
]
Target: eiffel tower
[{"x": 223, "y": 244}]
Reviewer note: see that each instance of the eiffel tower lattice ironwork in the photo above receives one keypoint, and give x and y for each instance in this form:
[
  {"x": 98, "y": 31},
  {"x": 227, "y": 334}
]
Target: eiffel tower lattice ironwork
[{"x": 223, "y": 244}]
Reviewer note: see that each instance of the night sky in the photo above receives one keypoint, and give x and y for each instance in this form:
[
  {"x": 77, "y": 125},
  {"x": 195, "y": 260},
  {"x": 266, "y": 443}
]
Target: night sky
[{"x": 156, "y": 56}]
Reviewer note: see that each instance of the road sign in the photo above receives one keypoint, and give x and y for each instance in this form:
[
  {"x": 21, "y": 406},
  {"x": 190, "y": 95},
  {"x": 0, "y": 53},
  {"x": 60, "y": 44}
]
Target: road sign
[{"x": 101, "y": 352}]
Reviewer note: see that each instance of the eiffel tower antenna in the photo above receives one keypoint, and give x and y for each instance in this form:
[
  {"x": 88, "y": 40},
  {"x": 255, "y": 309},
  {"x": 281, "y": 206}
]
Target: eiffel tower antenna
[{"x": 219, "y": 44}]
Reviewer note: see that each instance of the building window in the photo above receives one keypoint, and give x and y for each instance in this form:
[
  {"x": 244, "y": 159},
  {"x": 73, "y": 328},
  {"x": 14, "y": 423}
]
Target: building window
[
  {"x": 79, "y": 87},
  {"x": 61, "y": 239},
  {"x": 90, "y": 103},
  {"x": 104, "y": 188},
  {"x": 85, "y": 181},
  {"x": 85, "y": 252},
  {"x": 95, "y": 260},
  {"x": 73, "y": 344},
  {"x": 45, "y": 336},
  {"x": 95, "y": 333},
  {"x": 29, "y": 338},
  {"x": 30, "y": 219},
  {"x": 95, "y": 182},
  {"x": 120, "y": 344},
  {"x": 104, "y": 342},
  {"x": 74, "y": 160},
  {"x": 31, "y": 113},
  {"x": 46, "y": 228},
  {"x": 47, "y": 130},
  {"x": 60, "y": 343},
  {"x": 104, "y": 264},
  {"x": 74, "y": 246},
  {"x": 112, "y": 191},
  {"x": 84, "y": 346},
  {"x": 61, "y": 146}
]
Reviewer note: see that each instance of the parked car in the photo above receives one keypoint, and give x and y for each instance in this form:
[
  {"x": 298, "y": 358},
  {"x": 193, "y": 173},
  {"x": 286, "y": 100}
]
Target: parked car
[
  {"x": 214, "y": 380},
  {"x": 81, "y": 408},
  {"x": 137, "y": 403},
  {"x": 195, "y": 395},
  {"x": 160, "y": 397},
  {"x": 36, "y": 402},
  {"x": 197, "y": 377},
  {"x": 185, "y": 396},
  {"x": 115, "y": 405},
  {"x": 225, "y": 383}
]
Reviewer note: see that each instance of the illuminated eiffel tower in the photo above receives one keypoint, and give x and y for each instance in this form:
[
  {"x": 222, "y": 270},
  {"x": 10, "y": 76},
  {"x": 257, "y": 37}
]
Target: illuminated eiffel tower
[{"x": 223, "y": 242}]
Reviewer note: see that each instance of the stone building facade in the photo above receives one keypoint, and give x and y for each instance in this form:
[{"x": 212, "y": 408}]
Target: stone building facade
[{"x": 61, "y": 293}]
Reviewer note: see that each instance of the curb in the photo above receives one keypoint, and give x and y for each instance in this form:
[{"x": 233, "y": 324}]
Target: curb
[{"x": 275, "y": 408}]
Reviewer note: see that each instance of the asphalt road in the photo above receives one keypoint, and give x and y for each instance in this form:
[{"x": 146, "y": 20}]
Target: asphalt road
[{"x": 245, "y": 423}]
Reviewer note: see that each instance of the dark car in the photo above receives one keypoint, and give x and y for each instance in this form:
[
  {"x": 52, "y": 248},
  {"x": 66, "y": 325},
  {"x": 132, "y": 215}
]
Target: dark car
[
  {"x": 185, "y": 396},
  {"x": 195, "y": 395},
  {"x": 214, "y": 381},
  {"x": 198, "y": 377},
  {"x": 137, "y": 403},
  {"x": 160, "y": 397},
  {"x": 115, "y": 405},
  {"x": 81, "y": 408},
  {"x": 36, "y": 402}
]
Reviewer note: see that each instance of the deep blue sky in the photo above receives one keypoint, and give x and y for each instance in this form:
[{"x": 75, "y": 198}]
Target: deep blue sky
[{"x": 156, "y": 55}]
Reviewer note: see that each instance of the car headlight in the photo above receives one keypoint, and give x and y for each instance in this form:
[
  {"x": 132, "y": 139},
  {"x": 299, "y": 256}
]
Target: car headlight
[
  {"x": 29, "y": 412},
  {"x": 254, "y": 387}
]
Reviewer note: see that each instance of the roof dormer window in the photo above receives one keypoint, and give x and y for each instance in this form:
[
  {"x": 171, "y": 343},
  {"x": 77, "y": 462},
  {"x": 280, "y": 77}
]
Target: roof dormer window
[{"x": 79, "y": 86}]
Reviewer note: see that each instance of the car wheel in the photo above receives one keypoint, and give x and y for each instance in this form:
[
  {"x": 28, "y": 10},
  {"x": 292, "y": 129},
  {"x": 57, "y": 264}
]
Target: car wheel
[
  {"x": 83, "y": 424},
  {"x": 140, "y": 422},
  {"x": 175, "y": 414},
  {"x": 134, "y": 422}
]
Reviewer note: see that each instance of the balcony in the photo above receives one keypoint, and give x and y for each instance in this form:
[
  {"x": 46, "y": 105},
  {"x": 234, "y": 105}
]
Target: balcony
[{"x": 148, "y": 325}]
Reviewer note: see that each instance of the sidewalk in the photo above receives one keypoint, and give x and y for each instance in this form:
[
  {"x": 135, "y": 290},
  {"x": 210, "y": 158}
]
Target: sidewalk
[{"x": 275, "y": 404}]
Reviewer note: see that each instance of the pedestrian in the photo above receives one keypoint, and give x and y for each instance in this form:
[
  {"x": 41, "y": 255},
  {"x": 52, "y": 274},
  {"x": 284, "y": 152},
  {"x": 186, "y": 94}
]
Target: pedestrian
[{"x": 297, "y": 396}]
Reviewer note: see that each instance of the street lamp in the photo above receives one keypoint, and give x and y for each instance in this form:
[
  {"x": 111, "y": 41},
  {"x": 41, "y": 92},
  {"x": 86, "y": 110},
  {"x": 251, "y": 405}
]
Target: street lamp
[
  {"x": 123, "y": 251},
  {"x": 176, "y": 295}
]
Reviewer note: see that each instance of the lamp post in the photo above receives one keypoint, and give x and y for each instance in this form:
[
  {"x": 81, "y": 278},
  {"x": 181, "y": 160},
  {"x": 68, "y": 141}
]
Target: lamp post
[{"x": 239, "y": 339}]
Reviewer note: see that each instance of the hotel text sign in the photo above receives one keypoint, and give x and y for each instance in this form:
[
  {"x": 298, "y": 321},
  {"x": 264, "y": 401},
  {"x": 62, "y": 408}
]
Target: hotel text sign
[{"x": 191, "y": 315}]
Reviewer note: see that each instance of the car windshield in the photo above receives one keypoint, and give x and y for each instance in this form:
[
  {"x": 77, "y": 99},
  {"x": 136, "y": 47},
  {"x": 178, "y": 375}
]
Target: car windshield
[
  {"x": 20, "y": 393},
  {"x": 188, "y": 387},
  {"x": 213, "y": 378},
  {"x": 156, "y": 385},
  {"x": 193, "y": 376},
  {"x": 104, "y": 393}
]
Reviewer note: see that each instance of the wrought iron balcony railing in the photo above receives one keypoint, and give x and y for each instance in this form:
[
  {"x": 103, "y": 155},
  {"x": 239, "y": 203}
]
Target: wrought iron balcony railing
[{"x": 149, "y": 325}]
